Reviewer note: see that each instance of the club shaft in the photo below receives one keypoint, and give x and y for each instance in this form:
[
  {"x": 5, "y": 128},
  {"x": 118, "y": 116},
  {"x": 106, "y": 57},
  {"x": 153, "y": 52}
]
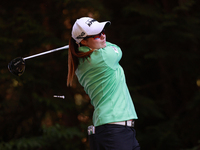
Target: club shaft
[{"x": 47, "y": 52}]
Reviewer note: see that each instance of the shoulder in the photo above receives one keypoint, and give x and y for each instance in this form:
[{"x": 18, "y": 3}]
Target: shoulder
[
  {"x": 111, "y": 54},
  {"x": 112, "y": 48}
]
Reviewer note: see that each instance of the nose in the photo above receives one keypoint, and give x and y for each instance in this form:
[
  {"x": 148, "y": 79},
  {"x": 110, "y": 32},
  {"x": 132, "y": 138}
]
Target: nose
[{"x": 103, "y": 35}]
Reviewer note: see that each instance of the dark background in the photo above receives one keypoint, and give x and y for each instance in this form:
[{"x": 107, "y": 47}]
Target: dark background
[{"x": 161, "y": 58}]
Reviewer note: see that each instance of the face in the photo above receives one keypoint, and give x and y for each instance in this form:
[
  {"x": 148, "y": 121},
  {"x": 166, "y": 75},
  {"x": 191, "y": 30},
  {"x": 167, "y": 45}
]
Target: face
[{"x": 95, "y": 42}]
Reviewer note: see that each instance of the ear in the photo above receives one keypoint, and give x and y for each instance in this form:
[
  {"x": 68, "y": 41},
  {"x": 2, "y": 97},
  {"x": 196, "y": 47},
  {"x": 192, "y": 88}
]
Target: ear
[{"x": 84, "y": 42}]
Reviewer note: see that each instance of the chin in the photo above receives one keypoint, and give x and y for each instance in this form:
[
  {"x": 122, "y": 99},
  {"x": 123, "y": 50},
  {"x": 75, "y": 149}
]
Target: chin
[{"x": 104, "y": 45}]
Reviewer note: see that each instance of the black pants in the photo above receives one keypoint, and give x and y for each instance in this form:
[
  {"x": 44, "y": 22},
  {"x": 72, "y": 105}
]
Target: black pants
[{"x": 113, "y": 137}]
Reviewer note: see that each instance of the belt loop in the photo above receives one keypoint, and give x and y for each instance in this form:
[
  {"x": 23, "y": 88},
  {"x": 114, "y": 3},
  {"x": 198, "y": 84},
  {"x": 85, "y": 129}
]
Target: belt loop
[
  {"x": 133, "y": 123},
  {"x": 125, "y": 123}
]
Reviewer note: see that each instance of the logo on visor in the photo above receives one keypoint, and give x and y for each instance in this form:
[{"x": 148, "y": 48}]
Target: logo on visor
[
  {"x": 90, "y": 21},
  {"x": 81, "y": 35}
]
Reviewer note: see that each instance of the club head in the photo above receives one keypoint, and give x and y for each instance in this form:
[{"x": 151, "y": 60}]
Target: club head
[{"x": 17, "y": 66}]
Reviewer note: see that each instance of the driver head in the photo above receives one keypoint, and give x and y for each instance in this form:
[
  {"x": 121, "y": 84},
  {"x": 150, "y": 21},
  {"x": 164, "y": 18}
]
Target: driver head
[{"x": 17, "y": 66}]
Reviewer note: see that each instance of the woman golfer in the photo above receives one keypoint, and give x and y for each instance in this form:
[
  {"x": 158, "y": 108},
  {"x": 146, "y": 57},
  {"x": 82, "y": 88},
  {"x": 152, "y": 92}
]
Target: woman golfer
[{"x": 96, "y": 65}]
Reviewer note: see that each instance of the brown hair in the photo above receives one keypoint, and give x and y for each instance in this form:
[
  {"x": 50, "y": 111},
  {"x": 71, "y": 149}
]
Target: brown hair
[{"x": 73, "y": 59}]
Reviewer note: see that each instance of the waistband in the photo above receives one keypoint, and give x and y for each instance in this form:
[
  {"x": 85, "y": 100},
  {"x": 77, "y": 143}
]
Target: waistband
[{"x": 129, "y": 123}]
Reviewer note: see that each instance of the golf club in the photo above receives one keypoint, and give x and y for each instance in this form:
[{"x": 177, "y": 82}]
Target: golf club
[{"x": 17, "y": 65}]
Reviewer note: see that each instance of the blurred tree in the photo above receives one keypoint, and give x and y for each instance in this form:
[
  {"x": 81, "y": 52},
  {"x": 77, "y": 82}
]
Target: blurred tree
[
  {"x": 160, "y": 44},
  {"x": 160, "y": 40},
  {"x": 31, "y": 118}
]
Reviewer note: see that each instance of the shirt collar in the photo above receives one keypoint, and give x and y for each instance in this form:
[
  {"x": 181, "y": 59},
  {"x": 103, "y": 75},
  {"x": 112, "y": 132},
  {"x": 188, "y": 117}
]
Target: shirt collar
[{"x": 84, "y": 49}]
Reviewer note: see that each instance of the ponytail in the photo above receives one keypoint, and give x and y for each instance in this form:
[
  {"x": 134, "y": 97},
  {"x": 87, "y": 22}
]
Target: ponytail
[{"x": 73, "y": 59}]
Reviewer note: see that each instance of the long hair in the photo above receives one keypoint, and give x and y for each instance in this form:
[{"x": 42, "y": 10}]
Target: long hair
[{"x": 73, "y": 59}]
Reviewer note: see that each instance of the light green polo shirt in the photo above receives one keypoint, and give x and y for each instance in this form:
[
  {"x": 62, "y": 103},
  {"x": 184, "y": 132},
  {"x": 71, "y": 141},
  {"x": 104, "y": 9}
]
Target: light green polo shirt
[{"x": 104, "y": 81}]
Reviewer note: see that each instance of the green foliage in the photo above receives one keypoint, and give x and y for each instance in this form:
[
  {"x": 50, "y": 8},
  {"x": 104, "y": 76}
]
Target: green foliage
[
  {"x": 194, "y": 148},
  {"x": 160, "y": 44},
  {"x": 55, "y": 138}
]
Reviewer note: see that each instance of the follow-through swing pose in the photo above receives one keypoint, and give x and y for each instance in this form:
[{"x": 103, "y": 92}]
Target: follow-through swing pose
[{"x": 96, "y": 65}]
